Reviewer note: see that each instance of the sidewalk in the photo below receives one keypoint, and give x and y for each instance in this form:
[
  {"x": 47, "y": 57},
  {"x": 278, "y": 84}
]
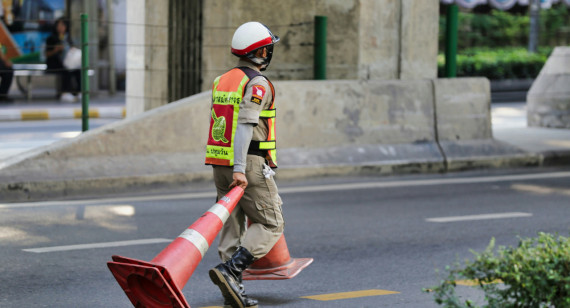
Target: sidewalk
[
  {"x": 509, "y": 126},
  {"x": 44, "y": 106}
]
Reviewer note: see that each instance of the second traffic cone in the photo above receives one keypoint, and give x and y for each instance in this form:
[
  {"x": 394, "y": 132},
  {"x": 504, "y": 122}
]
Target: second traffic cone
[
  {"x": 158, "y": 283},
  {"x": 277, "y": 264}
]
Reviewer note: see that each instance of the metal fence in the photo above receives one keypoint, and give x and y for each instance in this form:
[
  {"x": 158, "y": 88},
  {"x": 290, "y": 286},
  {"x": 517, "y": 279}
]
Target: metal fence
[{"x": 185, "y": 48}]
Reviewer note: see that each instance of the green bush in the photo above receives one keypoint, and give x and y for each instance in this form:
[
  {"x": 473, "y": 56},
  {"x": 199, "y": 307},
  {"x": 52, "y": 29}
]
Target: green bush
[
  {"x": 506, "y": 63},
  {"x": 534, "y": 274},
  {"x": 505, "y": 29}
]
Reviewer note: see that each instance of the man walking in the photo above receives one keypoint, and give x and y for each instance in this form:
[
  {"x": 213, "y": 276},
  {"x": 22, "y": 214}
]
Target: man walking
[{"x": 242, "y": 150}]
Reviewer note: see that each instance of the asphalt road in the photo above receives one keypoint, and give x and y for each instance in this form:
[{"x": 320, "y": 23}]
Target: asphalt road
[{"x": 365, "y": 234}]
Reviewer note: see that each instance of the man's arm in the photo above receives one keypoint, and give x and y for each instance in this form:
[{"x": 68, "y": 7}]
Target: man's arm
[
  {"x": 250, "y": 107},
  {"x": 242, "y": 139}
]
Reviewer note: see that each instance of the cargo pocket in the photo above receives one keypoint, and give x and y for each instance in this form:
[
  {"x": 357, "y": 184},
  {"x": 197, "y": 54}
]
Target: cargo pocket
[
  {"x": 269, "y": 214},
  {"x": 273, "y": 192},
  {"x": 264, "y": 194}
]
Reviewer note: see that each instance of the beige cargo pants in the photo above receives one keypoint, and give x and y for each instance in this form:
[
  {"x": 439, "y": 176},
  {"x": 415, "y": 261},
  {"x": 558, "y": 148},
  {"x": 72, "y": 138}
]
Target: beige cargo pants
[{"x": 260, "y": 203}]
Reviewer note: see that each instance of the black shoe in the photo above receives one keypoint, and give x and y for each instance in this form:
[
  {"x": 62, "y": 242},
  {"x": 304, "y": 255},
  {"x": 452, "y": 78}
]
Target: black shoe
[
  {"x": 227, "y": 276},
  {"x": 249, "y": 302}
]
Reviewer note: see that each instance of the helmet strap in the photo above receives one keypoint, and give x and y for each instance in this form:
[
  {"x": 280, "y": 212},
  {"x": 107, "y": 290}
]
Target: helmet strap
[{"x": 263, "y": 62}]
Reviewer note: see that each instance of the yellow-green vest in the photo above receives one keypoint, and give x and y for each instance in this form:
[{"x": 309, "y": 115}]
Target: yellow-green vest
[{"x": 227, "y": 93}]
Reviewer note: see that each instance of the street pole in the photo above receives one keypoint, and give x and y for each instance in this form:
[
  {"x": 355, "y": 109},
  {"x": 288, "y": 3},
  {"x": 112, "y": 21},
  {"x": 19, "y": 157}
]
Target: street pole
[
  {"x": 111, "y": 47},
  {"x": 320, "y": 54},
  {"x": 451, "y": 41},
  {"x": 84, "y": 73},
  {"x": 534, "y": 26}
]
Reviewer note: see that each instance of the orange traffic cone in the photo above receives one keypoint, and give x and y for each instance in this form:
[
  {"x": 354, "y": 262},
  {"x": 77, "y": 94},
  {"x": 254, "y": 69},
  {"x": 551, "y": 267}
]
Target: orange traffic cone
[
  {"x": 158, "y": 283},
  {"x": 276, "y": 264}
]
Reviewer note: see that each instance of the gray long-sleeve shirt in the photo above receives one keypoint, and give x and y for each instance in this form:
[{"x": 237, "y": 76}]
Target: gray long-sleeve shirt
[{"x": 242, "y": 139}]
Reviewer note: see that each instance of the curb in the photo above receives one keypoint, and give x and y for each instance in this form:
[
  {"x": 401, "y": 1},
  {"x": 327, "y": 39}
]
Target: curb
[
  {"x": 22, "y": 191},
  {"x": 60, "y": 113},
  {"x": 556, "y": 158}
]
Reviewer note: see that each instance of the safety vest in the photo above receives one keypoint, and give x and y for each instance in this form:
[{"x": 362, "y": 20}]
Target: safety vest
[{"x": 227, "y": 93}]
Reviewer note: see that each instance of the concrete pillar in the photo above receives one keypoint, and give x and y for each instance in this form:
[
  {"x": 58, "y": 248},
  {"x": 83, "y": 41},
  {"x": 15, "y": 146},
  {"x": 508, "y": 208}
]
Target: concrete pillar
[
  {"x": 379, "y": 39},
  {"x": 548, "y": 100},
  {"x": 147, "y": 55},
  {"x": 398, "y": 39},
  {"x": 419, "y": 28},
  {"x": 367, "y": 40}
]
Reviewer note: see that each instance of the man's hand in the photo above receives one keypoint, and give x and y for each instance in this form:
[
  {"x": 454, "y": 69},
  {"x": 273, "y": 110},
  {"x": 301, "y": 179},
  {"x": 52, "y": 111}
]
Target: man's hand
[{"x": 239, "y": 180}]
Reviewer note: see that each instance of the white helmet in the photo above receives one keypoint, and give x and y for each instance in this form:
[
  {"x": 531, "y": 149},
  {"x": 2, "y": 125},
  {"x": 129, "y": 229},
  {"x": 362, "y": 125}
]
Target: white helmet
[{"x": 251, "y": 36}]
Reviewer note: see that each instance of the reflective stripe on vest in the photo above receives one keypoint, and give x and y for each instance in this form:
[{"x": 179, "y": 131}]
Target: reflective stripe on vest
[{"x": 270, "y": 145}]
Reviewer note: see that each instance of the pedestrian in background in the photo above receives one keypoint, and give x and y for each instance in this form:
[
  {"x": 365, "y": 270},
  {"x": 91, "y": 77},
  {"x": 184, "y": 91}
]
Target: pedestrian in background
[
  {"x": 58, "y": 45},
  {"x": 6, "y": 75},
  {"x": 241, "y": 149}
]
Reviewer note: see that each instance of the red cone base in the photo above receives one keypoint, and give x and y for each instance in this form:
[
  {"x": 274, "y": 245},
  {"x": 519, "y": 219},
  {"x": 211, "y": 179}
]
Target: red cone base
[
  {"x": 146, "y": 284},
  {"x": 277, "y": 264},
  {"x": 151, "y": 284},
  {"x": 286, "y": 271}
]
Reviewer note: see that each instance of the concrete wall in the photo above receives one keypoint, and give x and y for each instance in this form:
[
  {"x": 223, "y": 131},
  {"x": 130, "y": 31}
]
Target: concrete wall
[
  {"x": 324, "y": 127},
  {"x": 293, "y": 22},
  {"x": 367, "y": 39},
  {"x": 548, "y": 100},
  {"x": 332, "y": 113},
  {"x": 463, "y": 109}
]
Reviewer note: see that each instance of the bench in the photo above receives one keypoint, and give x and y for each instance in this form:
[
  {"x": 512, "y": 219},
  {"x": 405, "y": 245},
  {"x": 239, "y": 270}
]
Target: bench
[{"x": 27, "y": 71}]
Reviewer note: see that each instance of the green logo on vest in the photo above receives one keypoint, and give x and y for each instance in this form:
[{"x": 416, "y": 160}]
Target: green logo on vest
[{"x": 219, "y": 128}]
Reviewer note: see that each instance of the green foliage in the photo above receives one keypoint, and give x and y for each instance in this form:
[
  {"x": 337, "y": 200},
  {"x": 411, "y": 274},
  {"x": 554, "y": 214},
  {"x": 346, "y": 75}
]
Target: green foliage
[
  {"x": 554, "y": 26},
  {"x": 504, "y": 29},
  {"x": 506, "y": 63},
  {"x": 534, "y": 274}
]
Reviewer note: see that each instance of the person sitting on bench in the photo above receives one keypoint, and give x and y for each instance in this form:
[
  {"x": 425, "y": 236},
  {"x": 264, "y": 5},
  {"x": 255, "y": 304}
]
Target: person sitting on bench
[{"x": 57, "y": 46}]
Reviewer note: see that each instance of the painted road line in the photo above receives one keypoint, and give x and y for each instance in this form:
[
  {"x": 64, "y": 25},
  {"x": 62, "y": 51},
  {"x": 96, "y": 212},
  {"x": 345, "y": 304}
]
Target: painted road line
[
  {"x": 346, "y": 295},
  {"x": 35, "y": 115},
  {"x": 314, "y": 188},
  {"x": 199, "y": 195},
  {"x": 427, "y": 182},
  {"x": 98, "y": 245},
  {"x": 542, "y": 190},
  {"x": 478, "y": 217},
  {"x": 10, "y": 115},
  {"x": 60, "y": 113},
  {"x": 115, "y": 113},
  {"x": 92, "y": 113},
  {"x": 474, "y": 283}
]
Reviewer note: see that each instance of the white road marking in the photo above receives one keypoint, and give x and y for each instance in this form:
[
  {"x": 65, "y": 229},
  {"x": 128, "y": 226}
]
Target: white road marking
[
  {"x": 478, "y": 217},
  {"x": 199, "y": 195},
  {"x": 427, "y": 182},
  {"x": 310, "y": 188},
  {"x": 98, "y": 245}
]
